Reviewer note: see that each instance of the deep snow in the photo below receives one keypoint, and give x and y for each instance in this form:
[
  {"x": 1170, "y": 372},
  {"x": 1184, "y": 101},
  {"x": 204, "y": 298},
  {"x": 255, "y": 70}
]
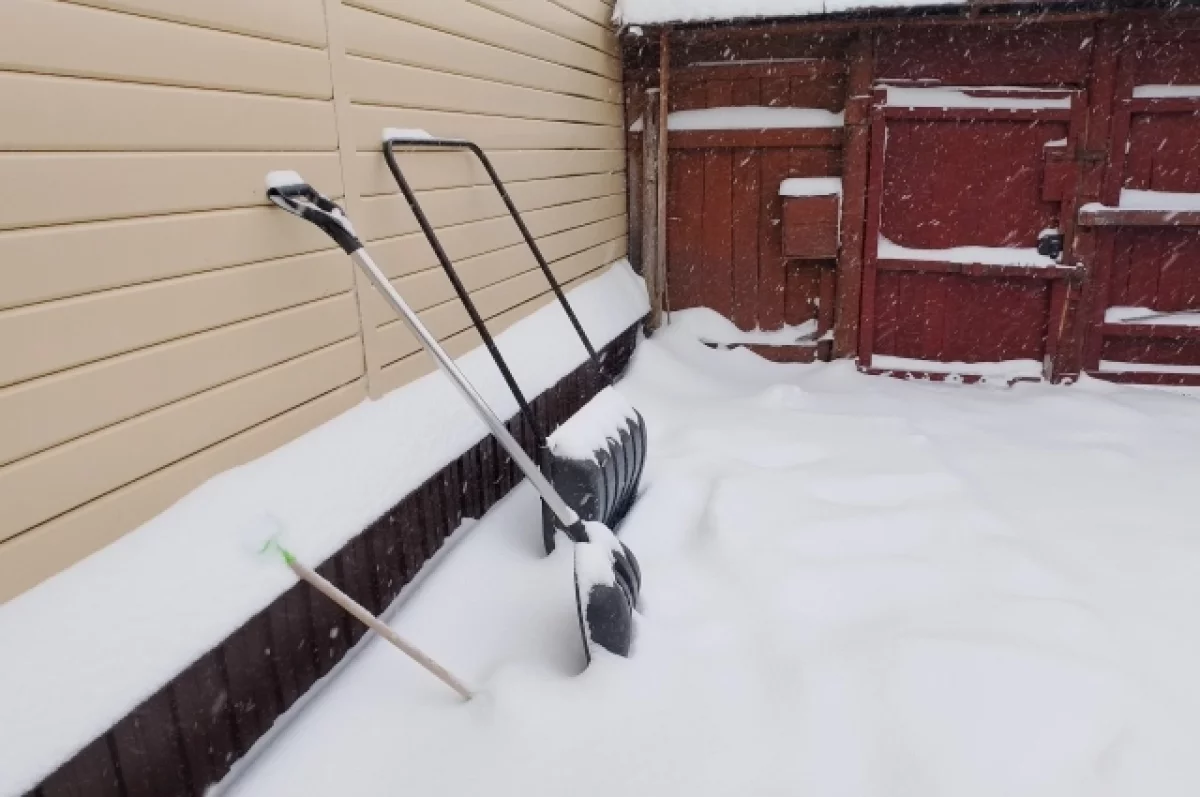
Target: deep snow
[
  {"x": 84, "y": 648},
  {"x": 853, "y": 586}
]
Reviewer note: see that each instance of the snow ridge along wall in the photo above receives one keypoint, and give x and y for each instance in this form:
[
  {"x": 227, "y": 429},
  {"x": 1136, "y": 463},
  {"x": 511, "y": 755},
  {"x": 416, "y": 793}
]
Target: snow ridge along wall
[
  {"x": 407, "y": 468},
  {"x": 187, "y": 735}
]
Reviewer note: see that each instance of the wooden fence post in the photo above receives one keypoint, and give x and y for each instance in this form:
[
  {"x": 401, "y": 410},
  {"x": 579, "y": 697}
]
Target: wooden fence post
[{"x": 653, "y": 262}]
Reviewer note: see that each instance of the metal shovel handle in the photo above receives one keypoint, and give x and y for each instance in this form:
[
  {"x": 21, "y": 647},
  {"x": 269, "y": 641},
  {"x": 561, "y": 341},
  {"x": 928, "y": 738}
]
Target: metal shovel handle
[
  {"x": 304, "y": 195},
  {"x": 410, "y": 139}
]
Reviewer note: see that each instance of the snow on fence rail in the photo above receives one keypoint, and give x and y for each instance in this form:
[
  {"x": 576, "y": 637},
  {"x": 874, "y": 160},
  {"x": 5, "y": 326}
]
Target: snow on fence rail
[{"x": 749, "y": 117}]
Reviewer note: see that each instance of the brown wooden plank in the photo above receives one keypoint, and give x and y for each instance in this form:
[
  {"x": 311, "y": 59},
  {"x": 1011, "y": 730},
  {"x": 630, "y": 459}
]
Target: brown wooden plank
[
  {"x": 874, "y": 204},
  {"x": 452, "y": 490},
  {"x": 489, "y": 473},
  {"x": 148, "y": 754},
  {"x": 801, "y": 289},
  {"x": 716, "y": 283},
  {"x": 854, "y": 192},
  {"x": 292, "y": 644},
  {"x": 737, "y": 71},
  {"x": 770, "y": 137},
  {"x": 355, "y": 569},
  {"x": 254, "y": 695},
  {"x": 201, "y": 698},
  {"x": 720, "y": 93},
  {"x": 653, "y": 261},
  {"x": 92, "y": 772},
  {"x": 747, "y": 91},
  {"x": 1041, "y": 55},
  {"x": 1117, "y": 217},
  {"x": 827, "y": 292},
  {"x": 776, "y": 91},
  {"x": 410, "y": 535},
  {"x": 772, "y": 267},
  {"x": 387, "y": 558},
  {"x": 684, "y": 219},
  {"x": 433, "y": 519},
  {"x": 472, "y": 476},
  {"x": 328, "y": 623},
  {"x": 746, "y": 205}
]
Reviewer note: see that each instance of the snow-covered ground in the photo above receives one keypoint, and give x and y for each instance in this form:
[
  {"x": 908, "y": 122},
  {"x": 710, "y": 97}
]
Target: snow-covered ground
[{"x": 853, "y": 586}]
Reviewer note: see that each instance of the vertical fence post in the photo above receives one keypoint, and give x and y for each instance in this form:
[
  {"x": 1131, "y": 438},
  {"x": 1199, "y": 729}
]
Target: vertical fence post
[{"x": 653, "y": 264}]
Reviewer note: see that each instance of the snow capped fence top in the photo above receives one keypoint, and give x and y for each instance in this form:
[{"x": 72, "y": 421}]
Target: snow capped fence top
[{"x": 654, "y": 12}]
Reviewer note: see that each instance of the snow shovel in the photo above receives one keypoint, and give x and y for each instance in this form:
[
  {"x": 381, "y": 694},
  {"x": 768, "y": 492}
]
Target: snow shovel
[
  {"x": 606, "y": 573},
  {"x": 595, "y": 459}
]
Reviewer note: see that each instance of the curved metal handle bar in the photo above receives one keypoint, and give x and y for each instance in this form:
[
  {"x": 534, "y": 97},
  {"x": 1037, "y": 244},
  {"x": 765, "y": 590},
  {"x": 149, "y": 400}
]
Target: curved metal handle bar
[
  {"x": 567, "y": 516},
  {"x": 460, "y": 289},
  {"x": 459, "y": 143}
]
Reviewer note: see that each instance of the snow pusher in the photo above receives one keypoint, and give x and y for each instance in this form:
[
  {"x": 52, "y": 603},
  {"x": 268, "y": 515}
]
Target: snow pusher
[
  {"x": 595, "y": 459},
  {"x": 607, "y": 578}
]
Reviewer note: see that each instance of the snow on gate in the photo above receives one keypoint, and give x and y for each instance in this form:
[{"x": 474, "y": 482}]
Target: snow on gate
[{"x": 1003, "y": 185}]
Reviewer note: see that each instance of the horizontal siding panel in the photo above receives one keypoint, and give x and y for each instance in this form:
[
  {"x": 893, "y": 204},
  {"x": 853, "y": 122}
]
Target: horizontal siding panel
[
  {"x": 419, "y": 364},
  {"x": 299, "y": 21},
  {"x": 63, "y": 188},
  {"x": 382, "y": 83},
  {"x": 71, "y": 332},
  {"x": 56, "y": 38},
  {"x": 471, "y": 21},
  {"x": 386, "y": 216},
  {"x": 94, "y": 465},
  {"x": 383, "y": 37},
  {"x": 430, "y": 287},
  {"x": 395, "y": 341},
  {"x": 556, "y": 19},
  {"x": 489, "y": 132},
  {"x": 408, "y": 254},
  {"x": 45, "y": 412},
  {"x": 39, "y": 265},
  {"x": 53, "y": 113},
  {"x": 597, "y": 11},
  {"x": 427, "y": 170},
  {"x": 52, "y": 547}
]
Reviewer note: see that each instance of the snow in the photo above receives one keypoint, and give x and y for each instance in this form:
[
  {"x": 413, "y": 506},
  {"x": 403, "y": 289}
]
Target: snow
[
  {"x": 748, "y": 117},
  {"x": 404, "y": 134},
  {"x": 958, "y": 97},
  {"x": 982, "y": 255},
  {"x": 1002, "y": 371},
  {"x": 283, "y": 179},
  {"x": 1147, "y": 315},
  {"x": 712, "y": 327},
  {"x": 85, "y": 647},
  {"x": 1150, "y": 91},
  {"x": 1115, "y": 367},
  {"x": 1135, "y": 199},
  {"x": 654, "y": 12},
  {"x": 853, "y": 586},
  {"x": 811, "y": 186},
  {"x": 587, "y": 431}
]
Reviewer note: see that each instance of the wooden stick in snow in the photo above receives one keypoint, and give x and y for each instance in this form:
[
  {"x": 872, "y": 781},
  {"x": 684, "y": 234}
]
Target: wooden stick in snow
[{"x": 360, "y": 613}]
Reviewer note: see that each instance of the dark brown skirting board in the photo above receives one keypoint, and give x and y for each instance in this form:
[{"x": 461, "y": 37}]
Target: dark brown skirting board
[{"x": 187, "y": 735}]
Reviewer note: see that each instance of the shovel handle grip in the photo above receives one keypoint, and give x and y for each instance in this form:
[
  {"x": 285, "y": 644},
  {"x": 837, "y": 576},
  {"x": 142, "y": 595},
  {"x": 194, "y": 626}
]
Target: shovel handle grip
[{"x": 306, "y": 202}]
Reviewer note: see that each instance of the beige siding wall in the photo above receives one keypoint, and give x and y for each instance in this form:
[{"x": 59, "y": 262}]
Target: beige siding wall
[{"x": 159, "y": 323}]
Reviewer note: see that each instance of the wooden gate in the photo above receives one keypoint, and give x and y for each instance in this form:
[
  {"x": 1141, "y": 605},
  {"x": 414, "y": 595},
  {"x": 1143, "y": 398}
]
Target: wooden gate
[
  {"x": 963, "y": 184},
  {"x": 1145, "y": 324}
]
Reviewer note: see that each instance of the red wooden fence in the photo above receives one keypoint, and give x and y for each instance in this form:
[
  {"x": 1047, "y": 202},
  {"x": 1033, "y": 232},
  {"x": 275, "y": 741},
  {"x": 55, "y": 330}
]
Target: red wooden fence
[{"x": 932, "y": 178}]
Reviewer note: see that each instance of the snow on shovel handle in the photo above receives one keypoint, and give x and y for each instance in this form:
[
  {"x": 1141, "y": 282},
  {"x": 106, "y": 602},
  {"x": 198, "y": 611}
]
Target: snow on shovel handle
[
  {"x": 289, "y": 191},
  {"x": 360, "y": 613}
]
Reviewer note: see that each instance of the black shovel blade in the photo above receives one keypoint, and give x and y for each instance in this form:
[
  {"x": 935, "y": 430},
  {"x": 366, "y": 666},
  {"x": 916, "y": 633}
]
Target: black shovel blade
[
  {"x": 604, "y": 486},
  {"x": 604, "y": 598}
]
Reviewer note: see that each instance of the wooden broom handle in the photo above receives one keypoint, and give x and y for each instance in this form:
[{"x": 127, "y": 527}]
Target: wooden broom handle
[{"x": 327, "y": 589}]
